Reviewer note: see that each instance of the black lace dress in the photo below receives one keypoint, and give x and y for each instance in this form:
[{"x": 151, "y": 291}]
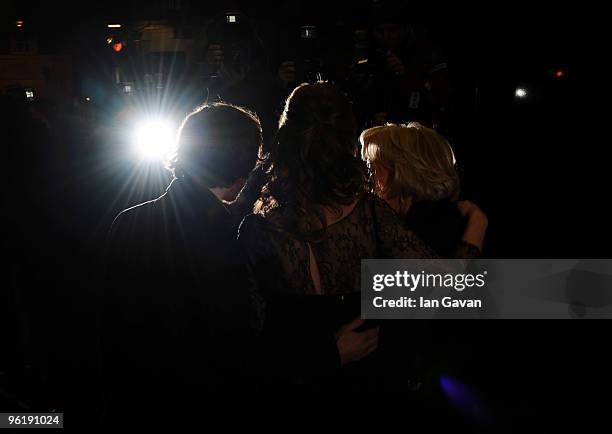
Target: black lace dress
[{"x": 294, "y": 317}]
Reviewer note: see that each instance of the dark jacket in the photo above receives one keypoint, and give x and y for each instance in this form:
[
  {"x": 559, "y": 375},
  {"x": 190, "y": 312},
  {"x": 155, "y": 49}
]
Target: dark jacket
[
  {"x": 439, "y": 224},
  {"x": 176, "y": 317}
]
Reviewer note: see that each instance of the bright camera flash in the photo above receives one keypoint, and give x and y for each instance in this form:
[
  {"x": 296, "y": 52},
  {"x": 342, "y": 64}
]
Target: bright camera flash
[{"x": 154, "y": 140}]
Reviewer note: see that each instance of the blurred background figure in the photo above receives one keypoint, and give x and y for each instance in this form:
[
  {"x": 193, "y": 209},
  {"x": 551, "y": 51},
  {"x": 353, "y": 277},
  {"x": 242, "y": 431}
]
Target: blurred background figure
[
  {"x": 28, "y": 267},
  {"x": 397, "y": 76},
  {"x": 235, "y": 65}
]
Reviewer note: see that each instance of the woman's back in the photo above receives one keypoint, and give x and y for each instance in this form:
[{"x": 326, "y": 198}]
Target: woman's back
[{"x": 287, "y": 263}]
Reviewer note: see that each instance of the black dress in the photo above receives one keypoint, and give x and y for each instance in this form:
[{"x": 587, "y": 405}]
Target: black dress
[{"x": 296, "y": 324}]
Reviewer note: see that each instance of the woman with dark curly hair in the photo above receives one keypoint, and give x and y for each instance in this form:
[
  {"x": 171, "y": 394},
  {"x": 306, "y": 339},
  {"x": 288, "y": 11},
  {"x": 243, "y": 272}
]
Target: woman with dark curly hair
[{"x": 312, "y": 225}]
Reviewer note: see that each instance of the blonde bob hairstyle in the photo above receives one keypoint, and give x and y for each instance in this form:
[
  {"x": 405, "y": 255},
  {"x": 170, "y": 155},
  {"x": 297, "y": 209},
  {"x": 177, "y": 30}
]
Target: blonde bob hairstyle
[{"x": 420, "y": 162}]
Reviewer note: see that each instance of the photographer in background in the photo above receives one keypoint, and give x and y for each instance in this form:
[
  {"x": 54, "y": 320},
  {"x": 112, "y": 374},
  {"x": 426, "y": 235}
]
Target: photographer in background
[
  {"x": 235, "y": 65},
  {"x": 396, "y": 76},
  {"x": 307, "y": 64}
]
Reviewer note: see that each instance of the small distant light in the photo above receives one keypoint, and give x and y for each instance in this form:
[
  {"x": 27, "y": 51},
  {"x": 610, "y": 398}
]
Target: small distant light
[
  {"x": 127, "y": 89},
  {"x": 520, "y": 92},
  {"x": 114, "y": 26},
  {"x": 109, "y": 41},
  {"x": 29, "y": 94},
  {"x": 88, "y": 98},
  {"x": 362, "y": 61},
  {"x": 231, "y": 18},
  {"x": 308, "y": 32},
  {"x": 117, "y": 46},
  {"x": 560, "y": 73},
  {"x": 19, "y": 24}
]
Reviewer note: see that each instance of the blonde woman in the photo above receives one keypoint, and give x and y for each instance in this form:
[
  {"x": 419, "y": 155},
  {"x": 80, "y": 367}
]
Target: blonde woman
[{"x": 413, "y": 170}]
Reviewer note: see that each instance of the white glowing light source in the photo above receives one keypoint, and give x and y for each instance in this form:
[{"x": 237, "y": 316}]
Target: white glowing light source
[
  {"x": 520, "y": 92},
  {"x": 154, "y": 140},
  {"x": 114, "y": 26}
]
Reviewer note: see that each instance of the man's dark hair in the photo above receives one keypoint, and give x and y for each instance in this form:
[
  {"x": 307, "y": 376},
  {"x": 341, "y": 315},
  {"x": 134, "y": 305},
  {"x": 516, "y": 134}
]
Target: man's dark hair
[{"x": 217, "y": 144}]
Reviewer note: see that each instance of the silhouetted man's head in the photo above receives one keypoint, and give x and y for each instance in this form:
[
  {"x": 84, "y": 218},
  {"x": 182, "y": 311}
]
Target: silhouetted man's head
[{"x": 218, "y": 145}]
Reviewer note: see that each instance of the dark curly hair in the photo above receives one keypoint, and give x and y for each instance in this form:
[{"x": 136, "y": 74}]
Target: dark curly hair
[{"x": 314, "y": 160}]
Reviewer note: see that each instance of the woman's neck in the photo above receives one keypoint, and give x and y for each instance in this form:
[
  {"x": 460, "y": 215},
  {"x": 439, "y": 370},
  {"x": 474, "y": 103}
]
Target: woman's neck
[{"x": 338, "y": 212}]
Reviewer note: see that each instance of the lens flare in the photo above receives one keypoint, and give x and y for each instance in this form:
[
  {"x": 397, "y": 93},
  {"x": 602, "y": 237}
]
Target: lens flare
[
  {"x": 465, "y": 398},
  {"x": 154, "y": 140}
]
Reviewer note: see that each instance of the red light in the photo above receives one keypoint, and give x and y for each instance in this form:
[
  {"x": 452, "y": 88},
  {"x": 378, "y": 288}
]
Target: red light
[
  {"x": 117, "y": 46},
  {"x": 560, "y": 74}
]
